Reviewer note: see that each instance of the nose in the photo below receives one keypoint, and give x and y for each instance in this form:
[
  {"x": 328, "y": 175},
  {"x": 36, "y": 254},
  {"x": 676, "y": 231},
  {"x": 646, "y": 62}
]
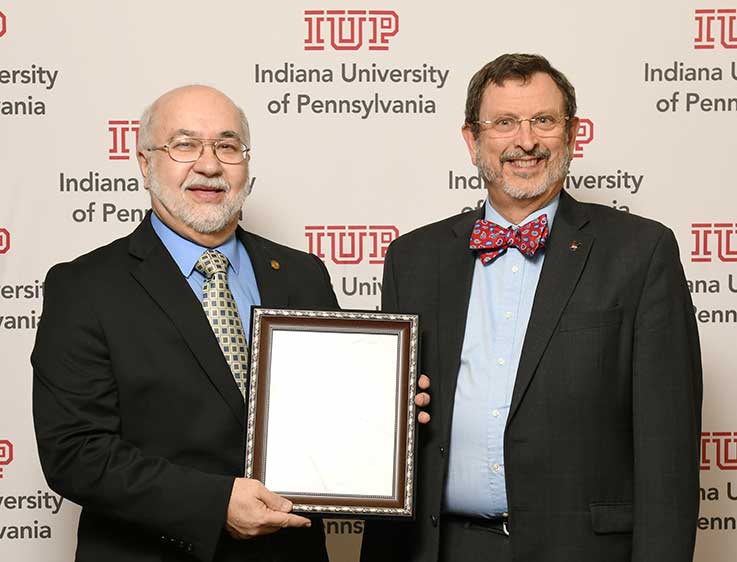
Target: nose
[
  {"x": 526, "y": 138},
  {"x": 208, "y": 164}
]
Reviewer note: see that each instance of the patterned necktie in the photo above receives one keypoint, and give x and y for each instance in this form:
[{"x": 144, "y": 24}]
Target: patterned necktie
[
  {"x": 493, "y": 240},
  {"x": 222, "y": 313}
]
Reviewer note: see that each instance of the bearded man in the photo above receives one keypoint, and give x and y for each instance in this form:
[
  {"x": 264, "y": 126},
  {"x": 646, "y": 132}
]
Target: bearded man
[
  {"x": 563, "y": 353},
  {"x": 140, "y": 360}
]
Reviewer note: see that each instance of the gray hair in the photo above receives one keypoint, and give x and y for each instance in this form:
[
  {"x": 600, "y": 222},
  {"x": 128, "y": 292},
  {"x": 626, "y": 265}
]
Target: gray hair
[{"x": 514, "y": 66}]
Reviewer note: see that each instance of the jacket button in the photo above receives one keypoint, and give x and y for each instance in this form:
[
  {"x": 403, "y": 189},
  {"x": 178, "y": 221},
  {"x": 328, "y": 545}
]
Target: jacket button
[
  {"x": 434, "y": 520},
  {"x": 163, "y": 538},
  {"x": 189, "y": 548},
  {"x": 442, "y": 451},
  {"x": 181, "y": 544}
]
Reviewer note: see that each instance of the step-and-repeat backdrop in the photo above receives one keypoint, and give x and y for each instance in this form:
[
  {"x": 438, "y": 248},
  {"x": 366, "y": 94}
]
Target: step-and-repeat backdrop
[{"x": 356, "y": 109}]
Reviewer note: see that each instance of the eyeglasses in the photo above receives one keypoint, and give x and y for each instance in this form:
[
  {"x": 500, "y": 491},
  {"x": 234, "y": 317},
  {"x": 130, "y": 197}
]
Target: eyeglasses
[
  {"x": 542, "y": 125},
  {"x": 189, "y": 149}
]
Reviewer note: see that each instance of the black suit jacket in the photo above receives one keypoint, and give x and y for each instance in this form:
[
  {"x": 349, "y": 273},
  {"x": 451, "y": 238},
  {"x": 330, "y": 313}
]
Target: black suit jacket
[
  {"x": 137, "y": 415},
  {"x": 601, "y": 445}
]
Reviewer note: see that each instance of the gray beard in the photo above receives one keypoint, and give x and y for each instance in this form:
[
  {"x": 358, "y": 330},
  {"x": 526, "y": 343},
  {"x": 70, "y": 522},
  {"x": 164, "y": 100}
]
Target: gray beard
[
  {"x": 552, "y": 176},
  {"x": 204, "y": 218}
]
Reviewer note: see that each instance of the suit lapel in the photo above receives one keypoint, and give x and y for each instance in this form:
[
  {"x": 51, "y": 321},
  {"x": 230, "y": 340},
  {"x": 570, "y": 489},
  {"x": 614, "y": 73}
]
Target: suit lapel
[
  {"x": 271, "y": 274},
  {"x": 159, "y": 275},
  {"x": 560, "y": 273},
  {"x": 454, "y": 291}
]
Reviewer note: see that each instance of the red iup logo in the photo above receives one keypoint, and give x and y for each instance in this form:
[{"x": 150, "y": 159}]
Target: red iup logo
[
  {"x": 125, "y": 138},
  {"x": 716, "y": 27},
  {"x": 714, "y": 241},
  {"x": 349, "y": 30},
  {"x": 6, "y": 454},
  {"x": 584, "y": 136},
  {"x": 351, "y": 244},
  {"x": 4, "y": 241},
  {"x": 719, "y": 450}
]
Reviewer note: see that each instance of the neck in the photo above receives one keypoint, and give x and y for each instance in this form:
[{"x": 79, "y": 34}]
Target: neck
[
  {"x": 516, "y": 210},
  {"x": 208, "y": 240}
]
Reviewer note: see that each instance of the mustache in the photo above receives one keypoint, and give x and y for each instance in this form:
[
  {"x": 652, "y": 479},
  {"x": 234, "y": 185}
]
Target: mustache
[
  {"x": 536, "y": 152},
  {"x": 204, "y": 181}
]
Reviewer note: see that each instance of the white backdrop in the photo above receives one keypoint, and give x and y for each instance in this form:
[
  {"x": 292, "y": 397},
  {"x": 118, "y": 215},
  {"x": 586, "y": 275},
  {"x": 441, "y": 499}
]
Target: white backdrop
[{"x": 656, "y": 87}]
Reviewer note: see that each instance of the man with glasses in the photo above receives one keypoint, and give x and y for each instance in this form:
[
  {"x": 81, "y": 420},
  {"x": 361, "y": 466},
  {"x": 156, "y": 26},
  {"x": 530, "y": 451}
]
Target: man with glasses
[
  {"x": 563, "y": 353},
  {"x": 141, "y": 356}
]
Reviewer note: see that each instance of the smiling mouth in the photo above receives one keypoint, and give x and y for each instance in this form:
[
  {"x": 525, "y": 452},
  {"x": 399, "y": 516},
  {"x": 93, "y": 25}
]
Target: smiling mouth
[
  {"x": 204, "y": 188},
  {"x": 524, "y": 162}
]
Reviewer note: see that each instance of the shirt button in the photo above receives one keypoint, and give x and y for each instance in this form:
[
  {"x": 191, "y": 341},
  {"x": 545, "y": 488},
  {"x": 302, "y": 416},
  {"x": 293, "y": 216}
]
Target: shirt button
[
  {"x": 496, "y": 467},
  {"x": 496, "y": 413},
  {"x": 500, "y": 361},
  {"x": 507, "y": 315},
  {"x": 515, "y": 269}
]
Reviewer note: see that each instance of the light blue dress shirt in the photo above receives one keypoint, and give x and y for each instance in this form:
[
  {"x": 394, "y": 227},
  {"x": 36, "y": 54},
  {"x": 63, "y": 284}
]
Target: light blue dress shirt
[
  {"x": 241, "y": 277},
  {"x": 498, "y": 312}
]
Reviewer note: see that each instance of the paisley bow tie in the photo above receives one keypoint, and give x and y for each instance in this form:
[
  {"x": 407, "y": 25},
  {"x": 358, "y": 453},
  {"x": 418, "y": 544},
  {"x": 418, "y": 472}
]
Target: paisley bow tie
[{"x": 493, "y": 240}]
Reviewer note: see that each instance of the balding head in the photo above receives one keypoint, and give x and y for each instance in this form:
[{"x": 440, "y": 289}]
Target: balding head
[{"x": 149, "y": 118}]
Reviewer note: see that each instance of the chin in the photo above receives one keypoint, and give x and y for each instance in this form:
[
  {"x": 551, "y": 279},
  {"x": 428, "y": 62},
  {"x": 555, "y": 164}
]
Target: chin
[{"x": 523, "y": 193}]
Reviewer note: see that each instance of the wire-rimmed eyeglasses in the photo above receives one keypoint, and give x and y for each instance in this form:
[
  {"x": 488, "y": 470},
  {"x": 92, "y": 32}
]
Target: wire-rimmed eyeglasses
[
  {"x": 542, "y": 125},
  {"x": 190, "y": 149}
]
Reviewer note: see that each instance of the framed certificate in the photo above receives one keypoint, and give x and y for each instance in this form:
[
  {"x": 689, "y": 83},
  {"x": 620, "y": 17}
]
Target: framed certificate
[{"x": 331, "y": 412}]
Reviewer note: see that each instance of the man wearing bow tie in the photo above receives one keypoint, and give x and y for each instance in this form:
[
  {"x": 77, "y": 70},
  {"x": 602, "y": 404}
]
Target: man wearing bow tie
[{"x": 563, "y": 353}]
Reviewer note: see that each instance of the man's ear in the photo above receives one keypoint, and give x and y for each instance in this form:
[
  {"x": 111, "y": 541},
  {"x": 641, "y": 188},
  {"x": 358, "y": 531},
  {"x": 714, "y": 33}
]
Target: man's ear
[
  {"x": 471, "y": 141},
  {"x": 572, "y": 132},
  {"x": 143, "y": 164}
]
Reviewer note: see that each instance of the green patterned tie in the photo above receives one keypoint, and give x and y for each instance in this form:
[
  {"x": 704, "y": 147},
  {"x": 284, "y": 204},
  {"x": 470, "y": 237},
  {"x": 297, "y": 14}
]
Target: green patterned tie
[{"x": 222, "y": 313}]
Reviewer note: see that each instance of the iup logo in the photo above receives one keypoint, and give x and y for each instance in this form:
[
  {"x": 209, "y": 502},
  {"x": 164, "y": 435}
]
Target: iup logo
[
  {"x": 716, "y": 27},
  {"x": 349, "y": 30},
  {"x": 719, "y": 450},
  {"x": 6, "y": 454},
  {"x": 4, "y": 240},
  {"x": 715, "y": 241},
  {"x": 351, "y": 244},
  {"x": 125, "y": 138},
  {"x": 584, "y": 136},
  {"x": 3, "y": 24}
]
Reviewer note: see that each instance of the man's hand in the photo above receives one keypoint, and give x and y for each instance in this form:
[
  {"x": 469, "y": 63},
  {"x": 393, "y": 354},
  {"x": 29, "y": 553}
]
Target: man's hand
[
  {"x": 422, "y": 399},
  {"x": 253, "y": 510}
]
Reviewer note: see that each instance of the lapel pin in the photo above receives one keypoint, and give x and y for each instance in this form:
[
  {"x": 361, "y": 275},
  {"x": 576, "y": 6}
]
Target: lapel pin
[
  {"x": 275, "y": 265},
  {"x": 573, "y": 246}
]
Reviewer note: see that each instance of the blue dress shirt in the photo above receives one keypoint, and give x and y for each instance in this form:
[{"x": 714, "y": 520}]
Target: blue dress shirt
[
  {"x": 498, "y": 312},
  {"x": 241, "y": 277}
]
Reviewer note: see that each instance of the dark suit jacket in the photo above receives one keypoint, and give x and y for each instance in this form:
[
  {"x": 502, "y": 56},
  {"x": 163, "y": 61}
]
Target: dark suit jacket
[
  {"x": 137, "y": 415},
  {"x": 601, "y": 445}
]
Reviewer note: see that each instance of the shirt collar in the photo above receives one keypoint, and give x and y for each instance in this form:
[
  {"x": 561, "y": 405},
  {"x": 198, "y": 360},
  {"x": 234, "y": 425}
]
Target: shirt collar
[
  {"x": 491, "y": 214},
  {"x": 186, "y": 253}
]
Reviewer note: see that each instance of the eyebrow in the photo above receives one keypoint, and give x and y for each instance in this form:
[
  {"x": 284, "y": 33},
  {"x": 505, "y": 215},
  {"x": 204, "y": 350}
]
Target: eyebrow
[
  {"x": 537, "y": 113},
  {"x": 223, "y": 135}
]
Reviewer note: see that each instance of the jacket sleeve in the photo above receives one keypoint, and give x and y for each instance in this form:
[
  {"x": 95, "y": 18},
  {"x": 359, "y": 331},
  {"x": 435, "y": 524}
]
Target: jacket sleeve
[
  {"x": 78, "y": 430},
  {"x": 667, "y": 393},
  {"x": 387, "y": 540},
  {"x": 389, "y": 289}
]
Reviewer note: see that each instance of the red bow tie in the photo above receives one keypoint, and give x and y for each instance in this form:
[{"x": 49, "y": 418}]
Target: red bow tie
[{"x": 494, "y": 240}]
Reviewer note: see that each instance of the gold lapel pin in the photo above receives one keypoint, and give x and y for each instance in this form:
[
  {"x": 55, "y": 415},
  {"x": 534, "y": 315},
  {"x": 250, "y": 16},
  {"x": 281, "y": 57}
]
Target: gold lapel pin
[
  {"x": 573, "y": 246},
  {"x": 275, "y": 265}
]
